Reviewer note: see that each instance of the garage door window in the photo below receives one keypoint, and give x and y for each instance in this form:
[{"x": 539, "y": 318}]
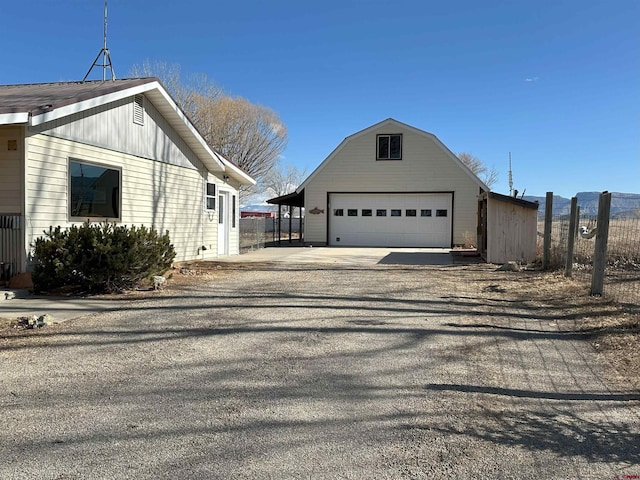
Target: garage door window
[
  {"x": 352, "y": 212},
  {"x": 338, "y": 212},
  {"x": 441, "y": 213},
  {"x": 410, "y": 213},
  {"x": 389, "y": 147},
  {"x": 425, "y": 213},
  {"x": 366, "y": 212},
  {"x": 381, "y": 213},
  {"x": 396, "y": 213}
]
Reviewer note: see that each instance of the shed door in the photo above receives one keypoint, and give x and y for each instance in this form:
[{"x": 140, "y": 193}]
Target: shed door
[{"x": 390, "y": 220}]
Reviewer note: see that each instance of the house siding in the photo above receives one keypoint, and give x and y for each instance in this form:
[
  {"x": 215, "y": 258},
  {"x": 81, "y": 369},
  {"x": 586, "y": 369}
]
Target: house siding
[
  {"x": 112, "y": 127},
  {"x": 153, "y": 193},
  {"x": 11, "y": 183},
  {"x": 424, "y": 167}
]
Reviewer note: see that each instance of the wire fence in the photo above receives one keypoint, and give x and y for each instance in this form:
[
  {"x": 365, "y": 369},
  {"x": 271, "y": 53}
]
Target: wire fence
[
  {"x": 258, "y": 232},
  {"x": 622, "y": 267}
]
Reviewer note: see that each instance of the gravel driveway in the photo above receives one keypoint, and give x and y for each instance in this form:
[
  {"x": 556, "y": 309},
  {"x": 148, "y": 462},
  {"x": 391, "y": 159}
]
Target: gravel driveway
[{"x": 317, "y": 371}]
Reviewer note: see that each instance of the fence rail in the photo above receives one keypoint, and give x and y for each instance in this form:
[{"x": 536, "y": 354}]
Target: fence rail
[{"x": 617, "y": 254}]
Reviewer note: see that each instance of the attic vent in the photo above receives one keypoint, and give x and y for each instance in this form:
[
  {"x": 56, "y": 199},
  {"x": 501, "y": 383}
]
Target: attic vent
[{"x": 138, "y": 109}]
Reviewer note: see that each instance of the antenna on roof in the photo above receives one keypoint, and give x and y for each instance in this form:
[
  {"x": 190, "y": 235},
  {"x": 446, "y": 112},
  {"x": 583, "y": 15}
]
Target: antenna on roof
[
  {"x": 106, "y": 56},
  {"x": 510, "y": 177}
]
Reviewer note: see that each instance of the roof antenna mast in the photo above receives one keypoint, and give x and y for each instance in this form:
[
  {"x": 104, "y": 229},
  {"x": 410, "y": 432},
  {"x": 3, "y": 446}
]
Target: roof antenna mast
[
  {"x": 510, "y": 177},
  {"x": 106, "y": 56}
]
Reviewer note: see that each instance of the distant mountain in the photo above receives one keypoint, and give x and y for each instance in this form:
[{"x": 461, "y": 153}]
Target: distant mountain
[{"x": 621, "y": 203}]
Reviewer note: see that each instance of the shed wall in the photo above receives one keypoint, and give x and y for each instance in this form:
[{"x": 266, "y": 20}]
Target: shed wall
[{"x": 511, "y": 232}]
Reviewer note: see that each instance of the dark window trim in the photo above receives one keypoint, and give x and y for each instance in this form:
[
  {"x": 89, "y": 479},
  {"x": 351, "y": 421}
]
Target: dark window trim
[
  {"x": 75, "y": 218},
  {"x": 207, "y": 196},
  {"x": 389, "y": 135}
]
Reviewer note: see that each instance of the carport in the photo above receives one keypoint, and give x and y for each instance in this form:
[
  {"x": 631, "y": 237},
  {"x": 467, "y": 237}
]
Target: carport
[{"x": 290, "y": 200}]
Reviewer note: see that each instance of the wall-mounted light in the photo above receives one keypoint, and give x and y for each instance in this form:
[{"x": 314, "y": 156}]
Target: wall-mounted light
[{"x": 225, "y": 178}]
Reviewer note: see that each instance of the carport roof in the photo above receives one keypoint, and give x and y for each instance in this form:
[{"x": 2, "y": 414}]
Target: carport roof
[{"x": 294, "y": 199}]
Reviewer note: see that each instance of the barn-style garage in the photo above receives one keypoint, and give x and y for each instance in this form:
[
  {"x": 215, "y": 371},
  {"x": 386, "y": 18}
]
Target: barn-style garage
[{"x": 390, "y": 185}]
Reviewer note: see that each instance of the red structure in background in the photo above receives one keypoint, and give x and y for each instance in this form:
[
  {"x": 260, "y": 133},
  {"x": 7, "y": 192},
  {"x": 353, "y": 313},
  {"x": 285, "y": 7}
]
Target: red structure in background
[{"x": 258, "y": 214}]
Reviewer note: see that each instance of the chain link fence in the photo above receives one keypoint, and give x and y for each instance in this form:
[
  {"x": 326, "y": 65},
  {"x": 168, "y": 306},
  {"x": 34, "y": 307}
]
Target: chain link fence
[{"x": 258, "y": 232}]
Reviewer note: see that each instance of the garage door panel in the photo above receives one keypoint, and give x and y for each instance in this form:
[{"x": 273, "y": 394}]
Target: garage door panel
[{"x": 424, "y": 220}]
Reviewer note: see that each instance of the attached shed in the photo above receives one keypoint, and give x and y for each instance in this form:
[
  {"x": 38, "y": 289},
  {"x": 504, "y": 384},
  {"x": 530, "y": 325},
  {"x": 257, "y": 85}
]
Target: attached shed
[{"x": 507, "y": 228}]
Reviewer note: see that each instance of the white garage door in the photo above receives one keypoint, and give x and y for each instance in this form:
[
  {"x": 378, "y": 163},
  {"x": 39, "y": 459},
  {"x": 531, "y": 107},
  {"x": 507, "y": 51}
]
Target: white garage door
[{"x": 390, "y": 220}]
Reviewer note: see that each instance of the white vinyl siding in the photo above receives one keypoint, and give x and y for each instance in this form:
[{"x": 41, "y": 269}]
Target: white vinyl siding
[
  {"x": 167, "y": 197},
  {"x": 425, "y": 167},
  {"x": 111, "y": 126},
  {"x": 10, "y": 170}
]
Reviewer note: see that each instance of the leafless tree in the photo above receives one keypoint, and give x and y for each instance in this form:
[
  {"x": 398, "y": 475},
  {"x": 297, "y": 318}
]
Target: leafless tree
[
  {"x": 250, "y": 136},
  {"x": 282, "y": 179},
  {"x": 488, "y": 175}
]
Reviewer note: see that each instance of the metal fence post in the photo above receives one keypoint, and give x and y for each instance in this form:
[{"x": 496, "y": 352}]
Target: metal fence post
[
  {"x": 600, "y": 249},
  {"x": 571, "y": 240},
  {"x": 548, "y": 219}
]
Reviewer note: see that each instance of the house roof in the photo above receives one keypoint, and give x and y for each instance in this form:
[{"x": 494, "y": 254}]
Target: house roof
[
  {"x": 34, "y": 104},
  {"x": 394, "y": 122}
]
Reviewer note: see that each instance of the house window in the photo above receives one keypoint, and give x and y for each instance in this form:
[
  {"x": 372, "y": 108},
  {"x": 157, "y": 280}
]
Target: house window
[
  {"x": 367, "y": 212},
  {"x": 389, "y": 147},
  {"x": 352, "y": 212},
  {"x": 425, "y": 212},
  {"x": 381, "y": 213},
  {"x": 210, "y": 197},
  {"x": 338, "y": 212},
  {"x": 94, "y": 190},
  {"x": 410, "y": 213},
  {"x": 138, "y": 109},
  {"x": 441, "y": 213},
  {"x": 396, "y": 213},
  {"x": 234, "y": 209}
]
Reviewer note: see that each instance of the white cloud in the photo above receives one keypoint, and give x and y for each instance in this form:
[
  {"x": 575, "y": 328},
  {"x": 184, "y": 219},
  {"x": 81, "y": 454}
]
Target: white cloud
[{"x": 531, "y": 79}]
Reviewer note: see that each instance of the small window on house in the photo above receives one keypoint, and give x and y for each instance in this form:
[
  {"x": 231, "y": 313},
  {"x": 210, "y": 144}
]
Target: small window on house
[
  {"x": 338, "y": 212},
  {"x": 381, "y": 213},
  {"x": 389, "y": 147},
  {"x": 425, "y": 212},
  {"x": 210, "y": 196},
  {"x": 367, "y": 212},
  {"x": 410, "y": 213},
  {"x": 352, "y": 212},
  {"x": 396, "y": 212},
  {"x": 94, "y": 190},
  {"x": 138, "y": 109},
  {"x": 441, "y": 213}
]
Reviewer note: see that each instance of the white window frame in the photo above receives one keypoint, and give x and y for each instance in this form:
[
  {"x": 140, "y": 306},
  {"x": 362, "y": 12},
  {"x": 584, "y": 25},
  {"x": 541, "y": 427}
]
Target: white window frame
[{"x": 388, "y": 137}]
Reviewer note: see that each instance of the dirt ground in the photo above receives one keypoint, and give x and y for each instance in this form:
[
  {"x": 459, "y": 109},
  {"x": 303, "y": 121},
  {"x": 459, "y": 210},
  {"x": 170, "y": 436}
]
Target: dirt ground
[{"x": 329, "y": 371}]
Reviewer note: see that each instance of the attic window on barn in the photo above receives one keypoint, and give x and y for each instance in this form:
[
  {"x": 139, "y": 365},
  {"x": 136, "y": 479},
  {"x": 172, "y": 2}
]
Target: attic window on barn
[
  {"x": 138, "y": 109},
  {"x": 389, "y": 147}
]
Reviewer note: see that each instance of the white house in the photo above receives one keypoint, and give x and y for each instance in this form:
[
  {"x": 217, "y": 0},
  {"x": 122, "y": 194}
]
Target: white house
[
  {"x": 390, "y": 185},
  {"x": 118, "y": 150}
]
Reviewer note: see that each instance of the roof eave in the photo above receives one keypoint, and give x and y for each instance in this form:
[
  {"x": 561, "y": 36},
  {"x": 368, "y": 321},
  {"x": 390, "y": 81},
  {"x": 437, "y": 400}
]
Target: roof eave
[{"x": 14, "y": 118}]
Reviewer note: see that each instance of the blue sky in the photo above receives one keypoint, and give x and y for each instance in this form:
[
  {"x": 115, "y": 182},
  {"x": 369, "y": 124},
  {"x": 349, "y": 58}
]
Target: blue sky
[{"x": 556, "y": 83}]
